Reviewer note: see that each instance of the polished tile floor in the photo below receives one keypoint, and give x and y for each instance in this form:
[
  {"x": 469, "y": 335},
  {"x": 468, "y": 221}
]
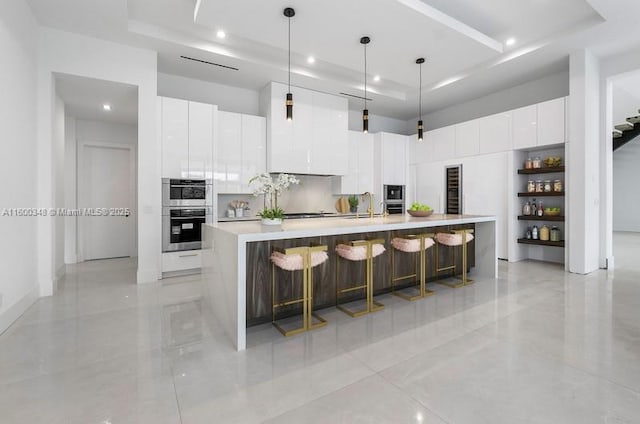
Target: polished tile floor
[{"x": 537, "y": 345}]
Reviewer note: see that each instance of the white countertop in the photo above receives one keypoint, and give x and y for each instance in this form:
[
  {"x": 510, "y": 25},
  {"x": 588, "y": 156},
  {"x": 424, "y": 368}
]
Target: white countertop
[{"x": 313, "y": 227}]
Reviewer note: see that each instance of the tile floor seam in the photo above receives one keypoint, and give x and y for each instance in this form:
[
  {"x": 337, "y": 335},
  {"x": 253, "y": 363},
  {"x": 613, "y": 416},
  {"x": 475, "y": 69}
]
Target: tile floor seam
[
  {"x": 175, "y": 392},
  {"x": 414, "y": 399}
]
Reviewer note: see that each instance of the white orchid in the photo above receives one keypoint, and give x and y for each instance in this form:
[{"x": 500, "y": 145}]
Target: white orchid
[{"x": 272, "y": 189}]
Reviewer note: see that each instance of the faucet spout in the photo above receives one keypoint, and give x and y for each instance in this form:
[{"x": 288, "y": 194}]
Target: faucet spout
[{"x": 370, "y": 208}]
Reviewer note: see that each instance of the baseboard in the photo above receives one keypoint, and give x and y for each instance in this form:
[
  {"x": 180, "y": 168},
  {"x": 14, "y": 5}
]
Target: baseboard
[
  {"x": 145, "y": 276},
  {"x": 14, "y": 312}
]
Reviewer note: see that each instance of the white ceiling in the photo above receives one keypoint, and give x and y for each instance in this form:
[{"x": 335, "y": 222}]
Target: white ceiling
[
  {"x": 84, "y": 99},
  {"x": 462, "y": 41}
]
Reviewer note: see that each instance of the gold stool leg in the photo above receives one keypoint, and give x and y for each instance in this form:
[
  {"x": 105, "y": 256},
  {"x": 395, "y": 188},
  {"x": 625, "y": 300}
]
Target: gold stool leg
[
  {"x": 420, "y": 272},
  {"x": 321, "y": 322},
  {"x": 453, "y": 285},
  {"x": 465, "y": 260},
  {"x": 370, "y": 304}
]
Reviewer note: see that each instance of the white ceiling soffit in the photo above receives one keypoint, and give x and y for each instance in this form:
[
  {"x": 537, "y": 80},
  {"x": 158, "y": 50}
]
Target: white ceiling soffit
[{"x": 84, "y": 99}]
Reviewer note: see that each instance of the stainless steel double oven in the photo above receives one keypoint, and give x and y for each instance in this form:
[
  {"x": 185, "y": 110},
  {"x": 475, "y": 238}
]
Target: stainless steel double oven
[
  {"x": 394, "y": 199},
  {"x": 186, "y": 205}
]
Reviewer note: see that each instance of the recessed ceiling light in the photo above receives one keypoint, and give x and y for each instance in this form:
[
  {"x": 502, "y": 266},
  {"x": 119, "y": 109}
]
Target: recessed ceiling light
[
  {"x": 221, "y": 34},
  {"x": 106, "y": 106},
  {"x": 510, "y": 41},
  {"x": 311, "y": 59},
  {"x": 376, "y": 78}
]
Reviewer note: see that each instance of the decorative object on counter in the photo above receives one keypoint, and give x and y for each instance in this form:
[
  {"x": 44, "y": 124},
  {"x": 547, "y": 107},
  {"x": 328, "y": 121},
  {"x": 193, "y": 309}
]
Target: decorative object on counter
[
  {"x": 534, "y": 233},
  {"x": 539, "y": 186},
  {"x": 553, "y": 161},
  {"x": 555, "y": 234},
  {"x": 420, "y": 61},
  {"x": 552, "y": 211},
  {"x": 231, "y": 213},
  {"x": 547, "y": 186},
  {"x": 557, "y": 186},
  {"x": 354, "y": 201},
  {"x": 365, "y": 112},
  {"x": 528, "y": 164},
  {"x": 531, "y": 186},
  {"x": 342, "y": 205},
  {"x": 537, "y": 163},
  {"x": 272, "y": 214},
  {"x": 526, "y": 209},
  {"x": 238, "y": 207},
  {"x": 289, "y": 13},
  {"x": 544, "y": 233},
  {"x": 419, "y": 210}
]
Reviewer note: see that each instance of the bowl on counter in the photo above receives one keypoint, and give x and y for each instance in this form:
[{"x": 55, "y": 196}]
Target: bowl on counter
[
  {"x": 552, "y": 212},
  {"x": 419, "y": 214},
  {"x": 553, "y": 161}
]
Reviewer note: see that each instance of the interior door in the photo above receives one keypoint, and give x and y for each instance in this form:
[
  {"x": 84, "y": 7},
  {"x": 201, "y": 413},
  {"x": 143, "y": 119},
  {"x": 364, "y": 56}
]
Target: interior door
[{"x": 107, "y": 187}]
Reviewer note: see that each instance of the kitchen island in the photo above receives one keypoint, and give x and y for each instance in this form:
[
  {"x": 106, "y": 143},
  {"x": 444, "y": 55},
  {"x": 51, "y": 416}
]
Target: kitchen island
[{"x": 237, "y": 271}]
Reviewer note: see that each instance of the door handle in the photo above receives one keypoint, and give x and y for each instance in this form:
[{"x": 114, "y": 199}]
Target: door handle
[{"x": 186, "y": 256}]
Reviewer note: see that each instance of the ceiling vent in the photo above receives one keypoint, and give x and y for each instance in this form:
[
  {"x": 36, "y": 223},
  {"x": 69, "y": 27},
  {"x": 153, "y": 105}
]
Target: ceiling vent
[
  {"x": 356, "y": 97},
  {"x": 210, "y": 63}
]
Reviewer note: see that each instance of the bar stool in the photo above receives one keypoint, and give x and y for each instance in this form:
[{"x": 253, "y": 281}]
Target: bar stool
[
  {"x": 298, "y": 259},
  {"x": 416, "y": 245},
  {"x": 354, "y": 251},
  {"x": 454, "y": 239}
]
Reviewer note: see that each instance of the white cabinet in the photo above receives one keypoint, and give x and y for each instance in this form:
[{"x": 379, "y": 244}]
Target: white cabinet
[
  {"x": 254, "y": 146},
  {"x": 429, "y": 185},
  {"x": 420, "y": 151},
  {"x": 186, "y": 131},
  {"x": 495, "y": 133},
  {"x": 315, "y": 141},
  {"x": 525, "y": 127},
  {"x": 444, "y": 143},
  {"x": 468, "y": 138},
  {"x": 551, "y": 122},
  {"x": 359, "y": 178},
  {"x": 394, "y": 158},
  {"x": 175, "y": 138},
  {"x": 228, "y": 153},
  {"x": 181, "y": 261},
  {"x": 240, "y": 151},
  {"x": 200, "y": 140}
]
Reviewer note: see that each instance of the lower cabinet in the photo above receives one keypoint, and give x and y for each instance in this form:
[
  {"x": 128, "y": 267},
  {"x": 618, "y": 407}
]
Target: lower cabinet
[{"x": 181, "y": 261}]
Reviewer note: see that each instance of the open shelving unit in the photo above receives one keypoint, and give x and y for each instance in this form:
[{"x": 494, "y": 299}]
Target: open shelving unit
[{"x": 544, "y": 250}]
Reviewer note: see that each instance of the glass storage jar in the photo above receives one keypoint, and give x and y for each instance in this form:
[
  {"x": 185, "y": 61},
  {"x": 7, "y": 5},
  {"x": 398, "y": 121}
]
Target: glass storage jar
[
  {"x": 557, "y": 186},
  {"x": 555, "y": 234},
  {"x": 539, "y": 186},
  {"x": 544, "y": 233},
  {"x": 531, "y": 186},
  {"x": 537, "y": 162},
  {"x": 547, "y": 186},
  {"x": 528, "y": 164}
]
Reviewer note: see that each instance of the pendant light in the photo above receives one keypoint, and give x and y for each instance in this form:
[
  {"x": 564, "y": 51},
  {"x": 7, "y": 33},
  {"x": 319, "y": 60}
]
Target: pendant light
[
  {"x": 289, "y": 13},
  {"x": 365, "y": 112},
  {"x": 420, "y": 61}
]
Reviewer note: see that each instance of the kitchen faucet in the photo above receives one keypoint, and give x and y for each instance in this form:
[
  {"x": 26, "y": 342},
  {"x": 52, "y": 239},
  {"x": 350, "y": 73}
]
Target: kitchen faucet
[{"x": 370, "y": 208}]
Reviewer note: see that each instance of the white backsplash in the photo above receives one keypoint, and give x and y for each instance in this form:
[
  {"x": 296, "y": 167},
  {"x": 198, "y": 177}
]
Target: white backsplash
[{"x": 313, "y": 194}]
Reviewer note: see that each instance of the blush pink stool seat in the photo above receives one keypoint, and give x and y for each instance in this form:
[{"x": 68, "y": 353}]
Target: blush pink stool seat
[
  {"x": 454, "y": 239},
  {"x": 294, "y": 259},
  {"x": 358, "y": 251},
  {"x": 416, "y": 245}
]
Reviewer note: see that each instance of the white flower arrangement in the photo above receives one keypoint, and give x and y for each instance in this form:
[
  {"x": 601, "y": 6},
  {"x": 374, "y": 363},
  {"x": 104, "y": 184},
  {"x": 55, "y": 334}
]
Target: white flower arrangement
[{"x": 271, "y": 189}]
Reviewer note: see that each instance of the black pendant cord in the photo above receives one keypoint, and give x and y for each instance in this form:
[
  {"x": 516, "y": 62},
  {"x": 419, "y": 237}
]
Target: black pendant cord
[
  {"x": 365, "y": 76},
  {"x": 420, "y": 94},
  {"x": 289, "y": 83}
]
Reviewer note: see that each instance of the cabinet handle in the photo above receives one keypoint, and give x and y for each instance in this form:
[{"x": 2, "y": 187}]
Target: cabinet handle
[{"x": 186, "y": 256}]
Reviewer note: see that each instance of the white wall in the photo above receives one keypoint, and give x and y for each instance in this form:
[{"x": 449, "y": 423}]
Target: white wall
[
  {"x": 626, "y": 175},
  {"x": 59, "y": 142},
  {"x": 228, "y": 98},
  {"x": 625, "y": 104},
  {"x": 536, "y": 91},
  {"x": 106, "y": 132},
  {"x": 62, "y": 52},
  {"x": 70, "y": 191},
  {"x": 18, "y": 43},
  {"x": 377, "y": 123}
]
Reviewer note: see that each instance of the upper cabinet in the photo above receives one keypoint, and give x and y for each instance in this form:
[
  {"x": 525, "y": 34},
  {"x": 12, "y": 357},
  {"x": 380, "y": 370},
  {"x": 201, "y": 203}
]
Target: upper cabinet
[
  {"x": 495, "y": 133},
  {"x": 468, "y": 138},
  {"x": 240, "y": 151},
  {"x": 525, "y": 127},
  {"x": 186, "y": 133},
  {"x": 551, "y": 122},
  {"x": 315, "y": 141},
  {"x": 392, "y": 157},
  {"x": 444, "y": 143},
  {"x": 359, "y": 178}
]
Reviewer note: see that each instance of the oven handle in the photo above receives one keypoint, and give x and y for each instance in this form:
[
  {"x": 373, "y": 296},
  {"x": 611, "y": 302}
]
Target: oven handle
[
  {"x": 188, "y": 217},
  {"x": 188, "y": 185},
  {"x": 187, "y": 256}
]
